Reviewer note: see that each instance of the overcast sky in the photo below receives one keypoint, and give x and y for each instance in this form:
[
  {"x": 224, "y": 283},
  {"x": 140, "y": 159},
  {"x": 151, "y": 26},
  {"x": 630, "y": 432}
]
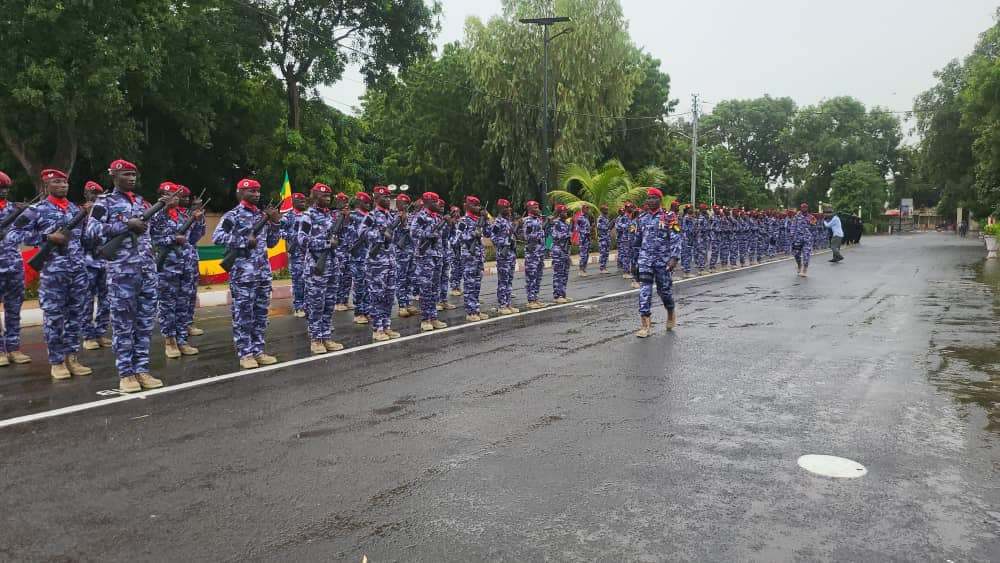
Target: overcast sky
[{"x": 882, "y": 52}]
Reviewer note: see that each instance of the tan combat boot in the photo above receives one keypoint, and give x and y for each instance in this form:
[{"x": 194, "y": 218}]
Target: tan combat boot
[
  {"x": 60, "y": 371},
  {"x": 4, "y": 360},
  {"x": 473, "y": 318},
  {"x": 129, "y": 384},
  {"x": 456, "y": 292},
  {"x": 317, "y": 347},
  {"x": 426, "y": 326},
  {"x": 332, "y": 346},
  {"x": 413, "y": 309},
  {"x": 19, "y": 357},
  {"x": 147, "y": 381},
  {"x": 106, "y": 342},
  {"x": 170, "y": 348},
  {"x": 512, "y": 310},
  {"x": 300, "y": 314},
  {"x": 379, "y": 336},
  {"x": 75, "y": 367},
  {"x": 265, "y": 359},
  {"x": 187, "y": 349},
  {"x": 392, "y": 333},
  {"x": 646, "y": 324},
  {"x": 438, "y": 324},
  {"x": 192, "y": 331},
  {"x": 360, "y": 320},
  {"x": 404, "y": 313},
  {"x": 483, "y": 316},
  {"x": 91, "y": 344},
  {"x": 671, "y": 319},
  {"x": 340, "y": 307},
  {"x": 248, "y": 363}
]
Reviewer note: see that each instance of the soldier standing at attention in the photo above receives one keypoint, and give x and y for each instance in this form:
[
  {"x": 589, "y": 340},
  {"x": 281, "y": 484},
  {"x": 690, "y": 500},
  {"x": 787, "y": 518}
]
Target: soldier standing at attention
[
  {"x": 534, "y": 254},
  {"x": 314, "y": 234},
  {"x": 603, "y": 240},
  {"x": 802, "y": 238},
  {"x": 358, "y": 255},
  {"x": 455, "y": 264},
  {"x": 470, "y": 231},
  {"x": 715, "y": 233},
  {"x": 501, "y": 233},
  {"x": 448, "y": 267},
  {"x": 191, "y": 207},
  {"x": 583, "y": 243},
  {"x": 131, "y": 276},
  {"x": 95, "y": 322},
  {"x": 250, "y": 276},
  {"x": 173, "y": 277},
  {"x": 343, "y": 264},
  {"x": 296, "y": 254},
  {"x": 63, "y": 275},
  {"x": 378, "y": 229},
  {"x": 404, "y": 258},
  {"x": 426, "y": 230},
  {"x": 688, "y": 239},
  {"x": 658, "y": 240},
  {"x": 625, "y": 240},
  {"x": 703, "y": 238},
  {"x": 619, "y": 230},
  {"x": 11, "y": 281},
  {"x": 561, "y": 233}
]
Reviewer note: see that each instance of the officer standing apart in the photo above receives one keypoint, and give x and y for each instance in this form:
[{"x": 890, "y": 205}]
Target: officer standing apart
[
  {"x": 426, "y": 231},
  {"x": 96, "y": 318},
  {"x": 131, "y": 276},
  {"x": 470, "y": 231},
  {"x": 838, "y": 236},
  {"x": 502, "y": 235},
  {"x": 534, "y": 254},
  {"x": 250, "y": 276},
  {"x": 583, "y": 242},
  {"x": 379, "y": 229},
  {"x": 658, "y": 238},
  {"x": 296, "y": 254},
  {"x": 561, "y": 233},
  {"x": 11, "y": 281}
]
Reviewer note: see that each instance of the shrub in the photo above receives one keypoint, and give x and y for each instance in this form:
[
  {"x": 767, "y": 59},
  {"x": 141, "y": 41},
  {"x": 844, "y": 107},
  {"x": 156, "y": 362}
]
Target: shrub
[{"x": 992, "y": 230}]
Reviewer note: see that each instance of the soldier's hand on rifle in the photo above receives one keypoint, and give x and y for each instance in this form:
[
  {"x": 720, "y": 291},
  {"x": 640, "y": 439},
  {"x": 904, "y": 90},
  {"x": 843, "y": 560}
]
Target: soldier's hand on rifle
[
  {"x": 170, "y": 199},
  {"x": 199, "y": 213},
  {"x": 386, "y": 235},
  {"x": 19, "y": 205},
  {"x": 57, "y": 238},
  {"x": 273, "y": 214},
  {"x": 671, "y": 264},
  {"x": 137, "y": 225},
  {"x": 86, "y": 205},
  {"x": 180, "y": 239},
  {"x": 252, "y": 241}
]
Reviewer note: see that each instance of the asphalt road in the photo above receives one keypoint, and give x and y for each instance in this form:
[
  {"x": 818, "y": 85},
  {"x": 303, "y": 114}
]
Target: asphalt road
[{"x": 556, "y": 435}]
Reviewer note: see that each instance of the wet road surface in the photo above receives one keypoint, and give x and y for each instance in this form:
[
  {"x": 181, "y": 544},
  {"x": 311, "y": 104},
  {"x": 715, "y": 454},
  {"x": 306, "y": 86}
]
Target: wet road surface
[{"x": 557, "y": 435}]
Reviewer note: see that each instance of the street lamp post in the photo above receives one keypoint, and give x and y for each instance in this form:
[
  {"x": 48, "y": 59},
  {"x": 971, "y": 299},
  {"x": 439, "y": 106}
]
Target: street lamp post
[{"x": 545, "y": 23}]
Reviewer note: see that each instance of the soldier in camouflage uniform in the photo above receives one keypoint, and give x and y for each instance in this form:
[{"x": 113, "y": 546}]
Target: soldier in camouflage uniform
[
  {"x": 341, "y": 202},
  {"x": 174, "y": 276},
  {"x": 358, "y": 255},
  {"x": 627, "y": 225},
  {"x": 687, "y": 239},
  {"x": 455, "y": 262},
  {"x": 715, "y": 235},
  {"x": 658, "y": 239},
  {"x": 619, "y": 230},
  {"x": 316, "y": 234},
  {"x": 469, "y": 240},
  {"x": 405, "y": 258},
  {"x": 703, "y": 238},
  {"x": 502, "y": 234},
  {"x": 11, "y": 280},
  {"x": 192, "y": 207},
  {"x": 582, "y": 226},
  {"x": 448, "y": 251},
  {"x": 379, "y": 229},
  {"x": 426, "y": 230},
  {"x": 534, "y": 233},
  {"x": 96, "y": 318},
  {"x": 603, "y": 240},
  {"x": 296, "y": 254},
  {"x": 561, "y": 232},
  {"x": 802, "y": 239},
  {"x": 250, "y": 276}
]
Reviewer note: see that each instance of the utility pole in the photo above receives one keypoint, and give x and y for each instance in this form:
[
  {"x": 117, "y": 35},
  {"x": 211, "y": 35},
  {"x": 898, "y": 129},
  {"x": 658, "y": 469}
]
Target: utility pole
[{"x": 694, "y": 145}]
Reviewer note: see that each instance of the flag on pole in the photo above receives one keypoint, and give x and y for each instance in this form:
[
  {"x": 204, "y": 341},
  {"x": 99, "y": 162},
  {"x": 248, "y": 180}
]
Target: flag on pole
[
  {"x": 576, "y": 233},
  {"x": 286, "y": 194}
]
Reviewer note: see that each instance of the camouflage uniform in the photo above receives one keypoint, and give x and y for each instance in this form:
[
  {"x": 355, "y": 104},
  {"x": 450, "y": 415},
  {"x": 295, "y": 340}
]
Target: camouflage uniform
[
  {"x": 404, "y": 263},
  {"x": 358, "y": 254},
  {"x": 190, "y": 299},
  {"x": 424, "y": 230},
  {"x": 659, "y": 240},
  {"x": 603, "y": 242},
  {"x": 561, "y": 233},
  {"x": 802, "y": 239},
  {"x": 174, "y": 279},
  {"x": 582, "y": 225},
  {"x": 469, "y": 240},
  {"x": 715, "y": 240},
  {"x": 296, "y": 257},
  {"x": 620, "y": 229},
  {"x": 250, "y": 276},
  {"x": 534, "y": 255},
  {"x": 381, "y": 267},
  {"x": 688, "y": 241},
  {"x": 314, "y": 228},
  {"x": 11, "y": 280},
  {"x": 627, "y": 226},
  {"x": 702, "y": 242},
  {"x": 501, "y": 233},
  {"x": 96, "y": 318}
]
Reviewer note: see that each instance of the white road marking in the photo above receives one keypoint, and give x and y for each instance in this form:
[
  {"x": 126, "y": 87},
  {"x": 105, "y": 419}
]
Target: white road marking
[
  {"x": 832, "y": 466},
  {"x": 301, "y": 361}
]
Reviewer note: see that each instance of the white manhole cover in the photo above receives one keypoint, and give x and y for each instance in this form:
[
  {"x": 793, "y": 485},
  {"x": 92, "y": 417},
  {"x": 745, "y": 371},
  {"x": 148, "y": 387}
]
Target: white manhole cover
[{"x": 832, "y": 466}]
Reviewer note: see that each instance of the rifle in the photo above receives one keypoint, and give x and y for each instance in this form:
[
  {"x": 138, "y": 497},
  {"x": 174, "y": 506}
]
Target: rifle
[
  {"x": 229, "y": 258},
  {"x": 110, "y": 250},
  {"x": 7, "y": 222},
  {"x": 319, "y": 268},
  {"x": 438, "y": 230},
  {"x": 388, "y": 233},
  {"x": 37, "y": 261},
  {"x": 183, "y": 230}
]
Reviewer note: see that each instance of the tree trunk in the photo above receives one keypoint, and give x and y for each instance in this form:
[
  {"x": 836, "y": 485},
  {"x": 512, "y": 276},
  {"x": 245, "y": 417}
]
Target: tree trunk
[
  {"x": 63, "y": 158},
  {"x": 292, "y": 94}
]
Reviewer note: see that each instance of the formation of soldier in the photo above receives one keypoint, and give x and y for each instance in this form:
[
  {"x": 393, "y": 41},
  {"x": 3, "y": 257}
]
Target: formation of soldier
[{"x": 138, "y": 260}]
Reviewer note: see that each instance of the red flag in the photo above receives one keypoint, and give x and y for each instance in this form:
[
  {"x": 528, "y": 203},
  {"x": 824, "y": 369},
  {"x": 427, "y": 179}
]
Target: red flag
[{"x": 576, "y": 234}]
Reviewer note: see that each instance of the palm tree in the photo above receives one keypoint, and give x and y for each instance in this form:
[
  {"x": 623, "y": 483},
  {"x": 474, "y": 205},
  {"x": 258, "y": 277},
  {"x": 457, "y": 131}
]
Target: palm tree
[{"x": 610, "y": 185}]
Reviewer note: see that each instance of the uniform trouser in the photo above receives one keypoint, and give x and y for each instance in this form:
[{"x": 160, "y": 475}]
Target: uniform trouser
[
  {"x": 320, "y": 298},
  {"x": 803, "y": 254},
  {"x": 472, "y": 279},
  {"x": 584, "y": 253},
  {"x": 456, "y": 268},
  {"x": 250, "y": 302},
  {"x": 297, "y": 265},
  {"x": 725, "y": 248},
  {"x": 428, "y": 279},
  {"x": 190, "y": 298},
  {"x": 664, "y": 287},
  {"x": 835, "y": 245},
  {"x": 344, "y": 280},
  {"x": 621, "y": 256},
  {"x": 701, "y": 252},
  {"x": 133, "y": 305},
  {"x": 444, "y": 267},
  {"x": 534, "y": 264},
  {"x": 560, "y": 271},
  {"x": 687, "y": 248},
  {"x": 62, "y": 306},
  {"x": 172, "y": 303},
  {"x": 625, "y": 255},
  {"x": 404, "y": 278},
  {"x": 716, "y": 249},
  {"x": 381, "y": 283},
  {"x": 95, "y": 322},
  {"x": 12, "y": 295},
  {"x": 360, "y": 288},
  {"x": 506, "y": 264},
  {"x": 604, "y": 249}
]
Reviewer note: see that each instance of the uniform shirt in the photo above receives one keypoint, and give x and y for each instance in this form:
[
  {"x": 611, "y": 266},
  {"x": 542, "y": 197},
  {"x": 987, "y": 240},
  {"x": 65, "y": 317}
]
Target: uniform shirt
[
  {"x": 163, "y": 227},
  {"x": 289, "y": 228},
  {"x": 373, "y": 230},
  {"x": 10, "y": 254},
  {"x": 194, "y": 234},
  {"x": 313, "y": 228},
  {"x": 603, "y": 227},
  {"x": 234, "y": 231},
  {"x": 659, "y": 238},
  {"x": 560, "y": 231},
  {"x": 401, "y": 237},
  {"x": 501, "y": 232},
  {"x": 470, "y": 242},
  {"x": 109, "y": 218},
  {"x": 533, "y": 233},
  {"x": 426, "y": 230},
  {"x": 802, "y": 228},
  {"x": 583, "y": 225},
  {"x": 358, "y": 245},
  {"x": 834, "y": 225},
  {"x": 48, "y": 217}
]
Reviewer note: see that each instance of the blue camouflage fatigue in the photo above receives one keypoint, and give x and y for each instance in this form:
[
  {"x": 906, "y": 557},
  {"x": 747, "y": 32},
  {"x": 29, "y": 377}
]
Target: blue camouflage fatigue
[
  {"x": 63, "y": 279},
  {"x": 703, "y": 240},
  {"x": 715, "y": 240},
  {"x": 381, "y": 267},
  {"x": 582, "y": 226},
  {"x": 802, "y": 239},
  {"x": 250, "y": 276},
  {"x": 659, "y": 241},
  {"x": 404, "y": 263},
  {"x": 726, "y": 255},
  {"x": 11, "y": 281},
  {"x": 174, "y": 278},
  {"x": 96, "y": 304},
  {"x": 561, "y": 233},
  {"x": 455, "y": 262},
  {"x": 501, "y": 233},
  {"x": 357, "y": 257},
  {"x": 190, "y": 299},
  {"x": 469, "y": 240},
  {"x": 687, "y": 242},
  {"x": 424, "y": 230},
  {"x": 603, "y": 242},
  {"x": 534, "y": 255},
  {"x": 131, "y": 279},
  {"x": 444, "y": 265},
  {"x": 625, "y": 242},
  {"x": 743, "y": 229},
  {"x": 620, "y": 229},
  {"x": 313, "y": 230},
  {"x": 296, "y": 257}
]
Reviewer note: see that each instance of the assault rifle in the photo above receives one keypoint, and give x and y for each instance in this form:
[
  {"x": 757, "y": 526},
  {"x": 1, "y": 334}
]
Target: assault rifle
[
  {"x": 388, "y": 233},
  {"x": 182, "y": 231},
  {"x": 232, "y": 254},
  {"x": 110, "y": 250},
  {"x": 37, "y": 262},
  {"x": 438, "y": 230},
  {"x": 10, "y": 219},
  {"x": 319, "y": 268}
]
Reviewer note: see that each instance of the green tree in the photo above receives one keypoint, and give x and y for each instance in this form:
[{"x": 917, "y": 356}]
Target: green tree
[
  {"x": 311, "y": 41},
  {"x": 859, "y": 185},
  {"x": 638, "y": 139},
  {"x": 751, "y": 129},
  {"x": 735, "y": 185},
  {"x": 980, "y": 99},
  {"x": 592, "y": 76},
  {"x": 610, "y": 185}
]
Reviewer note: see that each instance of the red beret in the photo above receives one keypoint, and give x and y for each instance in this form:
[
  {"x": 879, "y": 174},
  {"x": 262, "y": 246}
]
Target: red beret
[
  {"x": 93, "y": 187},
  {"x": 342, "y": 196},
  {"x": 532, "y": 202},
  {"x": 472, "y": 199},
  {"x": 362, "y": 196},
  {"x": 704, "y": 206},
  {"x": 454, "y": 208},
  {"x": 247, "y": 184},
  {"x": 403, "y": 197},
  {"x": 184, "y": 189},
  {"x": 585, "y": 206},
  {"x": 169, "y": 187},
  {"x": 122, "y": 166},
  {"x": 322, "y": 188},
  {"x": 604, "y": 207},
  {"x": 503, "y": 203},
  {"x": 629, "y": 205},
  {"x": 675, "y": 204},
  {"x": 430, "y": 196},
  {"x": 560, "y": 207},
  {"x": 297, "y": 195},
  {"x": 654, "y": 191},
  {"x": 4, "y": 180},
  {"x": 52, "y": 173},
  {"x": 804, "y": 206},
  {"x": 381, "y": 190}
]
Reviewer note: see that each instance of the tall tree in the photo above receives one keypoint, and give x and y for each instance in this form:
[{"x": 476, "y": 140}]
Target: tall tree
[
  {"x": 637, "y": 140},
  {"x": 751, "y": 129},
  {"x": 609, "y": 185},
  {"x": 311, "y": 41},
  {"x": 591, "y": 83},
  {"x": 859, "y": 185}
]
